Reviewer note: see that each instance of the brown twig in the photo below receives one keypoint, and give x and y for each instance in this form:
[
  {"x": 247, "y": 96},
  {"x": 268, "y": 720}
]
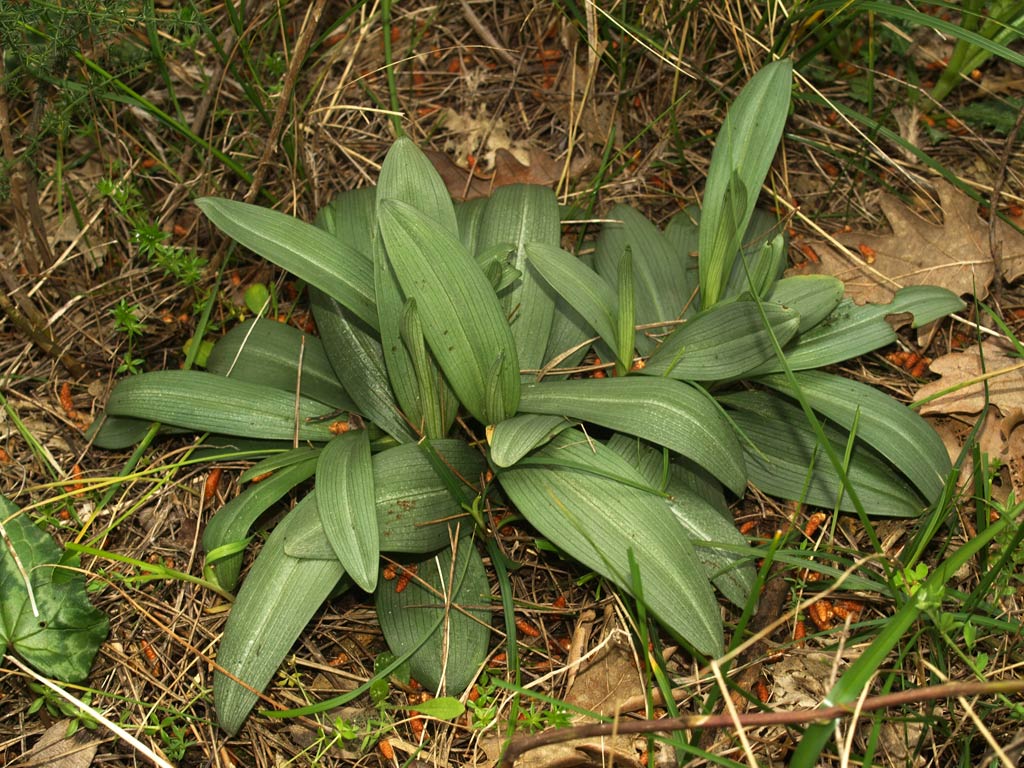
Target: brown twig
[
  {"x": 996, "y": 247},
  {"x": 309, "y": 28},
  {"x": 520, "y": 746}
]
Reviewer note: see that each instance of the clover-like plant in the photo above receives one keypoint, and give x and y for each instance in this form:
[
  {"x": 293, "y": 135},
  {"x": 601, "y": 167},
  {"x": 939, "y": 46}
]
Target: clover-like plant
[{"x": 440, "y": 385}]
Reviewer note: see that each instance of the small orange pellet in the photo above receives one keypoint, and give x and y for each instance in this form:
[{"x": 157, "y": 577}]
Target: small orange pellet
[
  {"x": 821, "y": 614},
  {"x": 417, "y": 725},
  {"x": 868, "y": 253},
  {"x": 563, "y": 643},
  {"x": 389, "y": 572},
  {"x": 814, "y": 523},
  {"x": 762, "y": 691},
  {"x": 151, "y": 657},
  {"x": 639, "y": 364},
  {"x": 810, "y": 254},
  {"x": 339, "y": 427},
  {"x": 527, "y": 628},
  {"x": 66, "y": 401},
  {"x": 385, "y": 748},
  {"x": 558, "y": 603},
  {"x": 404, "y": 578},
  {"x": 748, "y": 526},
  {"x": 210, "y": 487},
  {"x": 149, "y": 162},
  {"x": 799, "y": 633},
  {"x": 5, "y": 457}
]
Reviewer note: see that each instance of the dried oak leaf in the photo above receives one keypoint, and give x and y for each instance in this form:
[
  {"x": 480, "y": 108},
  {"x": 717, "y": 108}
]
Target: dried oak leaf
[
  {"x": 954, "y": 255},
  {"x": 1005, "y": 385},
  {"x": 464, "y": 184}
]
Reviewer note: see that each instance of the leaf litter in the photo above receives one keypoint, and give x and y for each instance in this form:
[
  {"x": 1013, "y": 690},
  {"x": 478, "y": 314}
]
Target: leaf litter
[{"x": 954, "y": 254}]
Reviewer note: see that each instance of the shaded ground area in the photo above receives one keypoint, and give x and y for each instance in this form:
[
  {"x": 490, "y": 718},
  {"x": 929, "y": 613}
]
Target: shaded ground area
[{"x": 112, "y": 128}]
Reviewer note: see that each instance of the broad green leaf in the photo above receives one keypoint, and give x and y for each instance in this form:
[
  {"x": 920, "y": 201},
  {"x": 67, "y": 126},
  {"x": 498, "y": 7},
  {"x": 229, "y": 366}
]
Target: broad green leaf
[
  {"x": 350, "y": 217},
  {"x": 267, "y": 352},
  {"x": 205, "y": 402},
  {"x": 115, "y": 433},
  {"x": 723, "y": 342},
  {"x": 515, "y": 215},
  {"x": 230, "y": 525},
  {"x": 851, "y": 330},
  {"x": 888, "y": 426},
  {"x": 729, "y": 566},
  {"x": 462, "y": 321},
  {"x": 278, "y": 460},
  {"x": 345, "y": 499},
  {"x": 408, "y": 176},
  {"x": 401, "y": 375},
  {"x": 448, "y": 602},
  {"x": 306, "y": 251},
  {"x": 581, "y": 287},
  {"x": 279, "y": 596},
  {"x": 666, "y": 412},
  {"x": 787, "y": 461},
  {"x": 416, "y": 511},
  {"x": 60, "y": 641},
  {"x": 625, "y": 327},
  {"x": 740, "y": 161},
  {"x": 813, "y": 297},
  {"x": 513, "y": 438},
  {"x": 604, "y": 524},
  {"x": 434, "y": 424},
  {"x": 468, "y": 215},
  {"x": 762, "y": 257},
  {"x": 442, "y": 708},
  {"x": 358, "y": 362},
  {"x": 658, "y": 270}
]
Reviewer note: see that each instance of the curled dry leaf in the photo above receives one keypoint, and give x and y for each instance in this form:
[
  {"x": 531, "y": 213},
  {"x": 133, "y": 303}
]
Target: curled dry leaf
[
  {"x": 465, "y": 184},
  {"x": 954, "y": 255}
]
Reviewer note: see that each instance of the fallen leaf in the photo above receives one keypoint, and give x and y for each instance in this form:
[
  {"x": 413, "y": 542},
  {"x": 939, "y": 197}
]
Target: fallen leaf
[
  {"x": 1000, "y": 439},
  {"x": 465, "y": 184},
  {"x": 56, "y": 750},
  {"x": 954, "y": 255},
  {"x": 1005, "y": 385}
]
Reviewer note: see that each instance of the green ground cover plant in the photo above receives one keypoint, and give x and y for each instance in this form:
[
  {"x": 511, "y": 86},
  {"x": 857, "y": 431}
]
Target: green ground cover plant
[{"x": 442, "y": 386}]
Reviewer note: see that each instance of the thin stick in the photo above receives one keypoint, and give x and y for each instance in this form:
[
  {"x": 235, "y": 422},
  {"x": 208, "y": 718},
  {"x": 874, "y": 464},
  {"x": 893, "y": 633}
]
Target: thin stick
[
  {"x": 519, "y": 746},
  {"x": 94, "y": 714}
]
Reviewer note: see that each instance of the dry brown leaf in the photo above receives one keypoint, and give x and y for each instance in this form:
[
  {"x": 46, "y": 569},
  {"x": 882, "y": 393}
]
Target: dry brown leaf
[
  {"x": 954, "y": 255},
  {"x": 1005, "y": 387},
  {"x": 464, "y": 184},
  {"x": 1001, "y": 439},
  {"x": 605, "y": 682},
  {"x": 56, "y": 750}
]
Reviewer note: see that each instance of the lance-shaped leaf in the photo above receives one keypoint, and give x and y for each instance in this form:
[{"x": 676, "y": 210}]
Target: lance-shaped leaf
[
  {"x": 408, "y": 175},
  {"x": 723, "y": 342},
  {"x": 306, "y": 251},
  {"x": 582, "y": 288},
  {"x": 350, "y": 217},
  {"x": 279, "y": 596},
  {"x": 227, "y": 533},
  {"x": 358, "y": 361},
  {"x": 345, "y": 498},
  {"x": 416, "y": 511},
  {"x": 205, "y": 402},
  {"x": 762, "y": 257},
  {"x": 434, "y": 424},
  {"x": 892, "y": 429},
  {"x": 739, "y": 164},
  {"x": 267, "y": 352},
  {"x": 625, "y": 327},
  {"x": 447, "y": 602},
  {"x": 658, "y": 270},
  {"x": 606, "y": 524},
  {"x": 515, "y": 215},
  {"x": 851, "y": 330},
  {"x": 787, "y": 461},
  {"x": 666, "y": 412},
  {"x": 721, "y": 549},
  {"x": 813, "y": 297},
  {"x": 513, "y": 438},
  {"x": 462, "y": 319},
  {"x": 60, "y": 640}
]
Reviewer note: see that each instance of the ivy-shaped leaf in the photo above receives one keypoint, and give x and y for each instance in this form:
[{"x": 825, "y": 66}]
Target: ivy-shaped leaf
[{"x": 60, "y": 640}]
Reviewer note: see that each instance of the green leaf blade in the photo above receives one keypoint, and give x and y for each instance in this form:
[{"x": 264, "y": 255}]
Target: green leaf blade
[
  {"x": 666, "y": 412},
  {"x": 345, "y": 499},
  {"x": 463, "y": 321}
]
